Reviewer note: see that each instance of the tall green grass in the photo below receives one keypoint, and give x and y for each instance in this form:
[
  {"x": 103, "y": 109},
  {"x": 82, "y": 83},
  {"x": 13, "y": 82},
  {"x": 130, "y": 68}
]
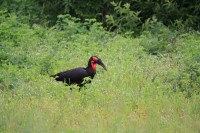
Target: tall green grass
[{"x": 136, "y": 94}]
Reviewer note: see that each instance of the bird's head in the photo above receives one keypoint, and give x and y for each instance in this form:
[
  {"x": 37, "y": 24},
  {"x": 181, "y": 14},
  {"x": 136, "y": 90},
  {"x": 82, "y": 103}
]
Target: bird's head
[{"x": 96, "y": 60}]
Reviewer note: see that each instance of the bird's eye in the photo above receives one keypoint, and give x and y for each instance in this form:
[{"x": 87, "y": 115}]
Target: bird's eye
[{"x": 95, "y": 59}]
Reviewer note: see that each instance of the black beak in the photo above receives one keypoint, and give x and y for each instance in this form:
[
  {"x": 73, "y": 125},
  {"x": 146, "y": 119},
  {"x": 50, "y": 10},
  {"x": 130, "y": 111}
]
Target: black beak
[{"x": 101, "y": 64}]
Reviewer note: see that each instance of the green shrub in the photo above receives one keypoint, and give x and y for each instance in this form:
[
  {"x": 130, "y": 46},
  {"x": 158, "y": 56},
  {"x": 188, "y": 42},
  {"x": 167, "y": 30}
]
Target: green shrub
[
  {"x": 157, "y": 39},
  {"x": 27, "y": 11},
  {"x": 124, "y": 20},
  {"x": 188, "y": 54}
]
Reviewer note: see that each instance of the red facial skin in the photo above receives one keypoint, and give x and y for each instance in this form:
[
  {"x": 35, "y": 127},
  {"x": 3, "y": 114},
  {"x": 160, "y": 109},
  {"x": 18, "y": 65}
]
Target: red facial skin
[{"x": 93, "y": 63}]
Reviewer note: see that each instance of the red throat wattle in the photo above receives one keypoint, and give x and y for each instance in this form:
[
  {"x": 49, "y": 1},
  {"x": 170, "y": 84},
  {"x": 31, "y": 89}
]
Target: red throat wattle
[{"x": 93, "y": 65}]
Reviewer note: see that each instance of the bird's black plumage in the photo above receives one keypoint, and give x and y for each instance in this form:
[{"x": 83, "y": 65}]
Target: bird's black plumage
[{"x": 77, "y": 75}]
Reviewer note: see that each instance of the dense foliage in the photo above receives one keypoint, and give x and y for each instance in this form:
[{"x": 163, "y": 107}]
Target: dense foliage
[
  {"x": 150, "y": 48},
  {"x": 167, "y": 11}
]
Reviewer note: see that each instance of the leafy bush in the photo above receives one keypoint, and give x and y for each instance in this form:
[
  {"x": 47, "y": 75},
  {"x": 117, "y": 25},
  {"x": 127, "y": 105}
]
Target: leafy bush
[
  {"x": 124, "y": 20},
  {"x": 162, "y": 41},
  {"x": 188, "y": 80},
  {"x": 157, "y": 39},
  {"x": 28, "y": 11},
  {"x": 12, "y": 34},
  {"x": 69, "y": 24}
]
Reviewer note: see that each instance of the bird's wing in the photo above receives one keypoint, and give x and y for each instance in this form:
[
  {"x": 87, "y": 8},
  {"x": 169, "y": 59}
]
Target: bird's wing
[{"x": 74, "y": 75}]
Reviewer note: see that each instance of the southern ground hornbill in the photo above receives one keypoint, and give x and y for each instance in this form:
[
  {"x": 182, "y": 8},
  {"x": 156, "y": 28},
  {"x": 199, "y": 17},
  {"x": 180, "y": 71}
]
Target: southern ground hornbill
[{"x": 77, "y": 75}]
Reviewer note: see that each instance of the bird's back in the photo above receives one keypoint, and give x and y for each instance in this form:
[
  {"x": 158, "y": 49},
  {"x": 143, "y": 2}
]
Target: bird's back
[{"x": 73, "y": 76}]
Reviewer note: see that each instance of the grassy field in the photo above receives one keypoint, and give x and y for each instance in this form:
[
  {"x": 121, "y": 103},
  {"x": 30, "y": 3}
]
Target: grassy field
[{"x": 138, "y": 93}]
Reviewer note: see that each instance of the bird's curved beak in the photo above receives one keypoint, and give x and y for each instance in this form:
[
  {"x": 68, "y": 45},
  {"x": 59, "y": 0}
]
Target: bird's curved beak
[{"x": 101, "y": 64}]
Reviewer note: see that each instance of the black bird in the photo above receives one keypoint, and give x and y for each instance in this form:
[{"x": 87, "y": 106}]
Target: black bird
[{"x": 77, "y": 75}]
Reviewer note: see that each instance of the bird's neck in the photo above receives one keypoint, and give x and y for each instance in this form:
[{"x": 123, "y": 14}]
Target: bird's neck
[{"x": 92, "y": 65}]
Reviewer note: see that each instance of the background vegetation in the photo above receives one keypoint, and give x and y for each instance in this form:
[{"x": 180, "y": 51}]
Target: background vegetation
[{"x": 151, "y": 49}]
